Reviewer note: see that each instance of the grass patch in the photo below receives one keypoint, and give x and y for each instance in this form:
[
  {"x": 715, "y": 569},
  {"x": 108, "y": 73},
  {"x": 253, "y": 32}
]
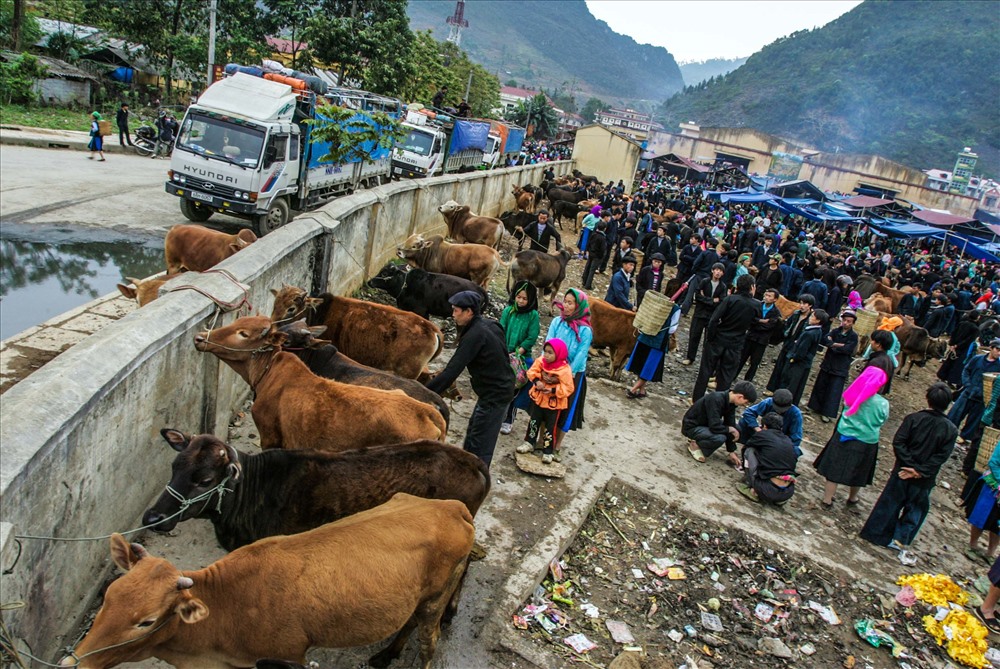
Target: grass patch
[{"x": 53, "y": 118}]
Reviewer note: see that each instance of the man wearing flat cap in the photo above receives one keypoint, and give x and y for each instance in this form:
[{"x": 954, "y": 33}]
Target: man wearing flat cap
[{"x": 481, "y": 350}]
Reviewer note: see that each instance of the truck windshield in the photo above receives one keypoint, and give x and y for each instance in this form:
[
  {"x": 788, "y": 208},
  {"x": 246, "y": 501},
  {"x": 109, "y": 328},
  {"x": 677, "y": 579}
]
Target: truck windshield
[
  {"x": 417, "y": 142},
  {"x": 211, "y": 136}
]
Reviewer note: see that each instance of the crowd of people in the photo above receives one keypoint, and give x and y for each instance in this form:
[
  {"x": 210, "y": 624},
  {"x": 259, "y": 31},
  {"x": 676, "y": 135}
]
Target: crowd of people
[{"x": 733, "y": 264}]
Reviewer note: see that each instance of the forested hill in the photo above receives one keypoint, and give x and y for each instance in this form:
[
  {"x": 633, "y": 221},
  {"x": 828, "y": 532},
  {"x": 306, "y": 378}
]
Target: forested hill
[
  {"x": 912, "y": 81},
  {"x": 553, "y": 45}
]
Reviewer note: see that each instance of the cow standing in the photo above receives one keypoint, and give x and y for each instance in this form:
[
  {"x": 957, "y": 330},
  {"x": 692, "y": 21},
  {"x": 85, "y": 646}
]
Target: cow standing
[
  {"x": 469, "y": 261},
  {"x": 467, "y": 227},
  {"x": 196, "y": 249},
  {"x": 421, "y": 292},
  {"x": 354, "y": 582},
  {"x": 378, "y": 335},
  {"x": 294, "y": 408},
  {"x": 613, "y": 329},
  {"x": 544, "y": 270},
  {"x": 287, "y": 492}
]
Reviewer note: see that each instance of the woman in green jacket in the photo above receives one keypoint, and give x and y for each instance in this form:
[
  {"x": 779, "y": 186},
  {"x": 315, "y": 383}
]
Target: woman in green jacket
[
  {"x": 849, "y": 457},
  {"x": 520, "y": 323}
]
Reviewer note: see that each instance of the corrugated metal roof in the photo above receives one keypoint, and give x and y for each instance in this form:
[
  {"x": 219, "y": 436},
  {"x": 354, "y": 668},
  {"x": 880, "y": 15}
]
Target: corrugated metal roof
[
  {"x": 941, "y": 218},
  {"x": 56, "y": 68},
  {"x": 866, "y": 201}
]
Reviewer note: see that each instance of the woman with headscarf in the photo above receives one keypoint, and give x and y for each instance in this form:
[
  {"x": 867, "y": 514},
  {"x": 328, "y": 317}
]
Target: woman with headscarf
[
  {"x": 520, "y": 323},
  {"x": 742, "y": 267},
  {"x": 850, "y": 455},
  {"x": 573, "y": 328},
  {"x": 647, "y": 357},
  {"x": 96, "y": 144}
]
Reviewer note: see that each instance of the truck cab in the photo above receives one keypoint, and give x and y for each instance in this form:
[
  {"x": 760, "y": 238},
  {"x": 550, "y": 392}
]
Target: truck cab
[{"x": 421, "y": 153}]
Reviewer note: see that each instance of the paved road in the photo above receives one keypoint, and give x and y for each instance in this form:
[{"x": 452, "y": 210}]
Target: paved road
[{"x": 62, "y": 187}]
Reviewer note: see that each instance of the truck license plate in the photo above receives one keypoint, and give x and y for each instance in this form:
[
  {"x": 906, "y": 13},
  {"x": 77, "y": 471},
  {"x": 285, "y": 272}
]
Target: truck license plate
[{"x": 204, "y": 197}]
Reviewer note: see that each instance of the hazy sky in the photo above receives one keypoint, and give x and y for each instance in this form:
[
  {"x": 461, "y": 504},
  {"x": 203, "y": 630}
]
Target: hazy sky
[{"x": 698, "y": 30}]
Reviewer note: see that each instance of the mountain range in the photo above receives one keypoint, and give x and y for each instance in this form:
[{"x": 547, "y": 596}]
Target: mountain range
[
  {"x": 913, "y": 81},
  {"x": 697, "y": 72},
  {"x": 556, "y": 45}
]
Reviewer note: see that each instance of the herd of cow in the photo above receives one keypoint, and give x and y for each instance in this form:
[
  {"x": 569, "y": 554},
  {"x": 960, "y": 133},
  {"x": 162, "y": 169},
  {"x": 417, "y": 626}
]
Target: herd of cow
[{"x": 355, "y": 521}]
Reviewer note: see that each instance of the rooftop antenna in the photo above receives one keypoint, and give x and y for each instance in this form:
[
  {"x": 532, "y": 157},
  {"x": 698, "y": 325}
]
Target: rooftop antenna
[{"x": 457, "y": 21}]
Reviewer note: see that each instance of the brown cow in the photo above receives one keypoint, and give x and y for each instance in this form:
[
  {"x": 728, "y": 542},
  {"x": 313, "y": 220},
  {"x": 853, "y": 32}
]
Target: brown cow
[
  {"x": 294, "y": 408},
  {"x": 469, "y": 261},
  {"x": 467, "y": 227},
  {"x": 194, "y": 248},
  {"x": 373, "y": 334},
  {"x": 354, "y": 582},
  {"x": 668, "y": 216},
  {"x": 894, "y": 295},
  {"x": 525, "y": 200},
  {"x": 878, "y": 302},
  {"x": 142, "y": 291},
  {"x": 613, "y": 328}
]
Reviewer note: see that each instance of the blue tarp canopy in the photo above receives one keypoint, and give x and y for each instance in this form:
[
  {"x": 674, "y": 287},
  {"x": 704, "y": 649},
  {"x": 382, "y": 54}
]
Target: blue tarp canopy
[
  {"x": 469, "y": 135},
  {"x": 741, "y": 198},
  {"x": 716, "y": 194},
  {"x": 901, "y": 229}
]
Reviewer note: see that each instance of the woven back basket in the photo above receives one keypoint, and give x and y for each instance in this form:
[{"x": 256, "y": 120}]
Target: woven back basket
[
  {"x": 652, "y": 313},
  {"x": 989, "y": 442},
  {"x": 867, "y": 320},
  {"x": 988, "y": 380}
]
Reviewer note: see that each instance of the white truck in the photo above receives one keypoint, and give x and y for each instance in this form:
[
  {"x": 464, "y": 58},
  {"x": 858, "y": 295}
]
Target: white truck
[
  {"x": 436, "y": 143},
  {"x": 244, "y": 149}
]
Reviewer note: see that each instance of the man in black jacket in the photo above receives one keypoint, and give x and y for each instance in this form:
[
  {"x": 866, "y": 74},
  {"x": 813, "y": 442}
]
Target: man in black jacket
[
  {"x": 708, "y": 295},
  {"x": 769, "y": 461},
  {"x": 657, "y": 244},
  {"x": 541, "y": 233},
  {"x": 689, "y": 253},
  {"x": 711, "y": 421},
  {"x": 922, "y": 444},
  {"x": 121, "y": 120},
  {"x": 481, "y": 349},
  {"x": 794, "y": 325},
  {"x": 727, "y": 330},
  {"x": 701, "y": 271},
  {"x": 762, "y": 329},
  {"x": 597, "y": 244}
]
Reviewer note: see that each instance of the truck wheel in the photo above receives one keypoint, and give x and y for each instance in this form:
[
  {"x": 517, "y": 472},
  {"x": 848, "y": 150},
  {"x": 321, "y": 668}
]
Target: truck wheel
[
  {"x": 276, "y": 216},
  {"x": 195, "y": 212}
]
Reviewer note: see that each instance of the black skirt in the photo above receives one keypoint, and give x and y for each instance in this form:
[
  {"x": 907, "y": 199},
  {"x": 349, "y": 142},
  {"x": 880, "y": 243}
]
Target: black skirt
[
  {"x": 572, "y": 418},
  {"x": 849, "y": 463},
  {"x": 826, "y": 394}
]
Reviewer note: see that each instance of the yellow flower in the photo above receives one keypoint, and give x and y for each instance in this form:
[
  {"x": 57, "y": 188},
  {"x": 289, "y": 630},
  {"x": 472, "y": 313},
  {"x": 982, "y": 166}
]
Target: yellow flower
[
  {"x": 937, "y": 590},
  {"x": 968, "y": 637}
]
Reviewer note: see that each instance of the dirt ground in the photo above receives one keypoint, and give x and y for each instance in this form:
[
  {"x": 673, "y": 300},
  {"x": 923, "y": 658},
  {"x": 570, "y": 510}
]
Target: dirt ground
[{"x": 638, "y": 444}]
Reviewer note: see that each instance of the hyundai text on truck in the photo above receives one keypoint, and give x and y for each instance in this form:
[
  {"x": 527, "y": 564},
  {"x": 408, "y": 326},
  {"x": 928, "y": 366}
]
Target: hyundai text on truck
[{"x": 244, "y": 149}]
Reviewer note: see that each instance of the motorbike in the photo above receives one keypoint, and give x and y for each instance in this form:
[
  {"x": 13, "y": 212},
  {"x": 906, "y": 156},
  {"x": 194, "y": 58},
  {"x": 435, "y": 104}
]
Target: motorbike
[{"x": 145, "y": 140}]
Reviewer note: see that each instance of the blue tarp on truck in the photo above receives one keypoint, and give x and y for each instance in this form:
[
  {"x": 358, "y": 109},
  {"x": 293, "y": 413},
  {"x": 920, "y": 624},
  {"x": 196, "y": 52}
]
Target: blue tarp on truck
[
  {"x": 515, "y": 140},
  {"x": 469, "y": 135}
]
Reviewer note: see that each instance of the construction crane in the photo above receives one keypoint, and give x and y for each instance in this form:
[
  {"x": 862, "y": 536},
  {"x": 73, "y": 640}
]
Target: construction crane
[{"x": 457, "y": 21}]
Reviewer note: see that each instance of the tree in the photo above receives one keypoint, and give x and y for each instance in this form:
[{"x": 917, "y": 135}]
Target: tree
[
  {"x": 351, "y": 133},
  {"x": 18, "y": 77},
  {"x": 537, "y": 115},
  {"x": 369, "y": 40},
  {"x": 591, "y": 107},
  {"x": 17, "y": 28},
  {"x": 290, "y": 17},
  {"x": 512, "y": 83},
  {"x": 436, "y": 64}
]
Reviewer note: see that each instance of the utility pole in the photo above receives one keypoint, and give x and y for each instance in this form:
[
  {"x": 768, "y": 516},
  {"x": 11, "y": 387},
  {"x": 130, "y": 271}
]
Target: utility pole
[
  {"x": 212, "y": 8},
  {"x": 468, "y": 86}
]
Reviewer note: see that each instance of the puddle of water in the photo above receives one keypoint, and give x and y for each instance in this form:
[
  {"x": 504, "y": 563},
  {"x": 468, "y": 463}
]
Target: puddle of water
[{"x": 44, "y": 273}]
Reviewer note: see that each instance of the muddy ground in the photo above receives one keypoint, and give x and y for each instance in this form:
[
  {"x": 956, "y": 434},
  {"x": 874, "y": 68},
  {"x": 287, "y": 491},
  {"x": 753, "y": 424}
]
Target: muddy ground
[{"x": 638, "y": 442}]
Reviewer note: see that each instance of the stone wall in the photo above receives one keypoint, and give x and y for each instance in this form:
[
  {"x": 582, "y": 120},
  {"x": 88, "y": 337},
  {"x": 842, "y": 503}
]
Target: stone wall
[{"x": 81, "y": 451}]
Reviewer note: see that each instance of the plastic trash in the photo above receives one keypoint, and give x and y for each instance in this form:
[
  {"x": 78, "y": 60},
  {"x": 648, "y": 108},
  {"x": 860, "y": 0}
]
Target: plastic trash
[
  {"x": 710, "y": 621},
  {"x": 620, "y": 631},
  {"x": 764, "y": 612},
  {"x": 868, "y": 630},
  {"x": 580, "y": 643}
]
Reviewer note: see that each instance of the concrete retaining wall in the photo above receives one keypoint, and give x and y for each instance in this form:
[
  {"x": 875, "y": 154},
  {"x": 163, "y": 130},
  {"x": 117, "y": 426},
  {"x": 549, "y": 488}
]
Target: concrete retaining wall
[{"x": 81, "y": 451}]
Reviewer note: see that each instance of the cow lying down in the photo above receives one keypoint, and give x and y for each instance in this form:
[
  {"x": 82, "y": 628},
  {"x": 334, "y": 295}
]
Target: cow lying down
[
  {"x": 286, "y": 492},
  {"x": 354, "y": 582}
]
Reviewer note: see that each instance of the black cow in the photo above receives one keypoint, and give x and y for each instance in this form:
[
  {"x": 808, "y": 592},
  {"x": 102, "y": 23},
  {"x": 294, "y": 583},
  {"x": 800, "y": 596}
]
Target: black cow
[
  {"x": 282, "y": 491},
  {"x": 557, "y": 193},
  {"x": 422, "y": 292},
  {"x": 562, "y": 209},
  {"x": 324, "y": 359},
  {"x": 587, "y": 178},
  {"x": 514, "y": 223}
]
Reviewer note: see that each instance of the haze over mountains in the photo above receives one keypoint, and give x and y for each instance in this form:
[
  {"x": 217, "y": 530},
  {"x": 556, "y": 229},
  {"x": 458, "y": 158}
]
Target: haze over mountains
[
  {"x": 914, "y": 81},
  {"x": 540, "y": 43}
]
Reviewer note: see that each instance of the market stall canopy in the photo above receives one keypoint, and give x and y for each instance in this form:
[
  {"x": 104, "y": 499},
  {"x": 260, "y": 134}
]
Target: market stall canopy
[
  {"x": 941, "y": 218},
  {"x": 865, "y": 202},
  {"x": 800, "y": 188}
]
